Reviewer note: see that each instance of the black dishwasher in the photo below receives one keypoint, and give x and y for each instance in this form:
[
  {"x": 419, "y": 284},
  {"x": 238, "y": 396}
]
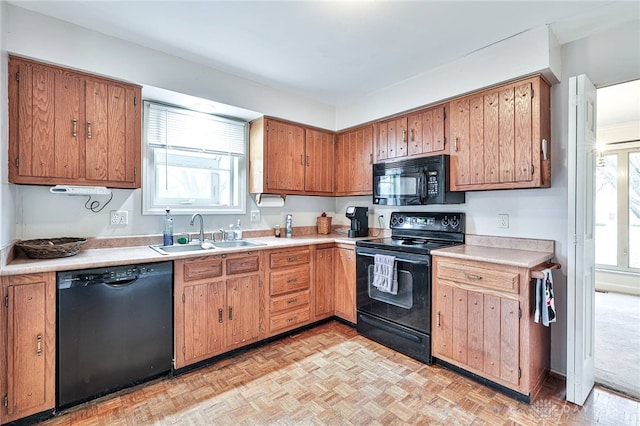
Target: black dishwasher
[{"x": 114, "y": 329}]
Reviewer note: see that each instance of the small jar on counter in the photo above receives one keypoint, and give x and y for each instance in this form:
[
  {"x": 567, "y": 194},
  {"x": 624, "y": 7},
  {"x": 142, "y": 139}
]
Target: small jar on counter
[{"x": 277, "y": 231}]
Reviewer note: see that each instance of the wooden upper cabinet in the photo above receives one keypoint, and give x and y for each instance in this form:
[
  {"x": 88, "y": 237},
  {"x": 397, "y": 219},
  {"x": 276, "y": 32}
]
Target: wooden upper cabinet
[
  {"x": 354, "y": 161},
  {"x": 391, "y": 139},
  {"x": 498, "y": 137},
  {"x": 67, "y": 127},
  {"x": 319, "y": 161},
  {"x": 288, "y": 158}
]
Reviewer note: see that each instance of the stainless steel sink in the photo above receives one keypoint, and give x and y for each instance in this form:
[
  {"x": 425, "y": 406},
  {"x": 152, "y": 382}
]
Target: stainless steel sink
[
  {"x": 208, "y": 245},
  {"x": 179, "y": 248},
  {"x": 239, "y": 243}
]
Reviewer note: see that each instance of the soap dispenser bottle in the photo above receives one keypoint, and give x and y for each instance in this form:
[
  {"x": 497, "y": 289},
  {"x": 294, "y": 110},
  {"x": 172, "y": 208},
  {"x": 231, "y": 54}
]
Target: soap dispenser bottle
[
  {"x": 167, "y": 232},
  {"x": 238, "y": 230}
]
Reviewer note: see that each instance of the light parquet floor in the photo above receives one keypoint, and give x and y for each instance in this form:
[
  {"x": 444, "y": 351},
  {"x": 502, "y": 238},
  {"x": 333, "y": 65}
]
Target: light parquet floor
[{"x": 330, "y": 375}]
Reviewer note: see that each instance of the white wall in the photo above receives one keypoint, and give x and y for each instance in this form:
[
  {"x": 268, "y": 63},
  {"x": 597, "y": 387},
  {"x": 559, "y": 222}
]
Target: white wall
[{"x": 7, "y": 224}]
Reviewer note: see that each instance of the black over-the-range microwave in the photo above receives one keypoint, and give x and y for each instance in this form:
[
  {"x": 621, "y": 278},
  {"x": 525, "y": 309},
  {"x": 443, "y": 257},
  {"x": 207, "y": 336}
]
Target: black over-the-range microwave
[{"x": 416, "y": 181}]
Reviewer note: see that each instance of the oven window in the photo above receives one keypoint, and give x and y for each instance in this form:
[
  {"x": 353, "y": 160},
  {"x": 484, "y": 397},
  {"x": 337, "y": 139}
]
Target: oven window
[
  {"x": 403, "y": 299},
  {"x": 396, "y": 185}
]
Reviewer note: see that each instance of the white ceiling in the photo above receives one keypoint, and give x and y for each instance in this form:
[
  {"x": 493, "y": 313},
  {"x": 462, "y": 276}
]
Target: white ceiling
[{"x": 330, "y": 51}]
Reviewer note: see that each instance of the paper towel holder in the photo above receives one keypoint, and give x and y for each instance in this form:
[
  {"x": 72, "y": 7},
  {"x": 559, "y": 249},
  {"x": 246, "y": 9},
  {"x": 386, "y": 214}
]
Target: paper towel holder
[{"x": 270, "y": 200}]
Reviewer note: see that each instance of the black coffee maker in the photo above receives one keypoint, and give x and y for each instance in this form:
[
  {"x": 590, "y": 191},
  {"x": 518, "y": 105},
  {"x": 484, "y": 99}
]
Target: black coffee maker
[{"x": 359, "y": 221}]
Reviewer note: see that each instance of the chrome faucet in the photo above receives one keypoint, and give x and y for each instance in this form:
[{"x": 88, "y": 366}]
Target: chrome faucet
[
  {"x": 221, "y": 234},
  {"x": 193, "y": 218}
]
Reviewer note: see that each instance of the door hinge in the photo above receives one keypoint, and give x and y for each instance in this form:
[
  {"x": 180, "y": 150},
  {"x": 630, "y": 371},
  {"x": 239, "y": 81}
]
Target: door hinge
[
  {"x": 183, "y": 298},
  {"x": 444, "y": 115},
  {"x": 135, "y": 101},
  {"x": 18, "y": 76},
  {"x": 135, "y": 171},
  {"x": 533, "y": 168},
  {"x": 267, "y": 128},
  {"x": 6, "y": 300},
  {"x": 6, "y": 401},
  {"x": 519, "y": 312},
  {"x": 532, "y": 92},
  {"x": 184, "y": 350},
  {"x": 17, "y": 162},
  {"x": 444, "y": 144},
  {"x": 519, "y": 373}
]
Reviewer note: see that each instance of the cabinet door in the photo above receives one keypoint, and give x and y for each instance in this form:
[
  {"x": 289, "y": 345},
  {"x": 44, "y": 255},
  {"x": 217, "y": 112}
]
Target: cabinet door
[
  {"x": 243, "y": 311},
  {"x": 460, "y": 149},
  {"x": 319, "y": 161},
  {"x": 324, "y": 291},
  {"x": 392, "y": 139},
  {"x": 45, "y": 123},
  {"x": 204, "y": 309},
  {"x": 353, "y": 162},
  {"x": 285, "y": 157},
  {"x": 112, "y": 147},
  {"x": 426, "y": 131},
  {"x": 345, "y": 282},
  {"x": 29, "y": 346},
  {"x": 443, "y": 320}
]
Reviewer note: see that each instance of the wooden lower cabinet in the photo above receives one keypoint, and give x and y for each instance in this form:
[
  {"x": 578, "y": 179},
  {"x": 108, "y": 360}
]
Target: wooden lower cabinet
[
  {"x": 290, "y": 288},
  {"x": 483, "y": 323},
  {"x": 345, "y": 282},
  {"x": 324, "y": 281},
  {"x": 218, "y": 305},
  {"x": 27, "y": 348}
]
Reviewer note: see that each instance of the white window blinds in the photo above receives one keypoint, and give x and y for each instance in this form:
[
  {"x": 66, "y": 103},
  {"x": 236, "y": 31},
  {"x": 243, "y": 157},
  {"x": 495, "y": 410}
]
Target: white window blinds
[{"x": 171, "y": 127}]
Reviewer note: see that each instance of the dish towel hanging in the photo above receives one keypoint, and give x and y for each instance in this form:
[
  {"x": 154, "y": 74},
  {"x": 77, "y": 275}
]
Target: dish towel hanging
[
  {"x": 545, "y": 304},
  {"x": 385, "y": 274}
]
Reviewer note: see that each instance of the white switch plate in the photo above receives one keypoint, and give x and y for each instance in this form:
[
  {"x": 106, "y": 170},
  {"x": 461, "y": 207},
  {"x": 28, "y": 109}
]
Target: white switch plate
[
  {"x": 503, "y": 221},
  {"x": 120, "y": 217},
  {"x": 255, "y": 216}
]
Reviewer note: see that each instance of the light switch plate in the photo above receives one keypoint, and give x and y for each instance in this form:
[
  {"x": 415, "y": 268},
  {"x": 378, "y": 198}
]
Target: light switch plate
[{"x": 255, "y": 216}]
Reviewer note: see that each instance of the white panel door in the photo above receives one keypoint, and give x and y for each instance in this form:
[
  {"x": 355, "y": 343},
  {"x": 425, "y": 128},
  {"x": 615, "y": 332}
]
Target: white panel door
[{"x": 581, "y": 256}]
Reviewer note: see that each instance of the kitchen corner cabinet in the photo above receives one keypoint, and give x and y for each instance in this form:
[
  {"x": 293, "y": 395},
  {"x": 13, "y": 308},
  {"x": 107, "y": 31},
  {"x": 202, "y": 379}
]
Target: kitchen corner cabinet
[
  {"x": 324, "y": 282},
  {"x": 27, "y": 352},
  {"x": 345, "y": 282},
  {"x": 483, "y": 323},
  {"x": 500, "y": 137},
  {"x": 420, "y": 133},
  {"x": 67, "y": 127},
  {"x": 354, "y": 162},
  {"x": 288, "y": 158},
  {"x": 218, "y": 305},
  {"x": 289, "y": 288}
]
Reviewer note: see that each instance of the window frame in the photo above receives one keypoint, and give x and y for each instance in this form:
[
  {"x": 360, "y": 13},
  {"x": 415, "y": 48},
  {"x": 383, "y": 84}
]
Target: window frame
[{"x": 149, "y": 181}]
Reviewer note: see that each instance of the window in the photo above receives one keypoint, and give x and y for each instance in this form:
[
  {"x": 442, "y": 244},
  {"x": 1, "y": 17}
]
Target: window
[
  {"x": 194, "y": 162},
  {"x": 618, "y": 209}
]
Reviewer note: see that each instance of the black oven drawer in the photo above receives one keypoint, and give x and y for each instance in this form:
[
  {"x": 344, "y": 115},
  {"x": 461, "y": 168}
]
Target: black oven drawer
[{"x": 409, "y": 342}]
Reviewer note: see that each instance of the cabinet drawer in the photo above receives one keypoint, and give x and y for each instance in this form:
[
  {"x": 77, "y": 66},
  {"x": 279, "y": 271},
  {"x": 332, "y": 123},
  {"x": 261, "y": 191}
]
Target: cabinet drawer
[
  {"x": 249, "y": 263},
  {"x": 498, "y": 279},
  {"x": 206, "y": 267},
  {"x": 289, "y": 258},
  {"x": 289, "y": 280},
  {"x": 289, "y": 301},
  {"x": 290, "y": 319}
]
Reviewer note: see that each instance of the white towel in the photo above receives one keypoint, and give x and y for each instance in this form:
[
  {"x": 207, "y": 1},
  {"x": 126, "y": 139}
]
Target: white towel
[
  {"x": 545, "y": 303},
  {"x": 385, "y": 274}
]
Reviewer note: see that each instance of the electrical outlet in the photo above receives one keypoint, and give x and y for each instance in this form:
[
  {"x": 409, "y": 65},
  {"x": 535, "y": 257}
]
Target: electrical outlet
[
  {"x": 120, "y": 217},
  {"x": 382, "y": 220},
  {"x": 503, "y": 221},
  {"x": 255, "y": 216}
]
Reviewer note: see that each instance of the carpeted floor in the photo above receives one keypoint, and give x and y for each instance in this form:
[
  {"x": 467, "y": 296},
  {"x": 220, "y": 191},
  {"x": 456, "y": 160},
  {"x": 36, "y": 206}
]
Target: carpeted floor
[{"x": 617, "y": 342}]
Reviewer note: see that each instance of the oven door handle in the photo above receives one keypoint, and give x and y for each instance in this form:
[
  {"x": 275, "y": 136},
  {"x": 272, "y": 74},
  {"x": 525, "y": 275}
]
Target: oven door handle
[{"x": 398, "y": 258}]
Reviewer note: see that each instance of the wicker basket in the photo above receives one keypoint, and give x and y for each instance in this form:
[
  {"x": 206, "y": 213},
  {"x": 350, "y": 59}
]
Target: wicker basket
[
  {"x": 51, "y": 248},
  {"x": 324, "y": 225}
]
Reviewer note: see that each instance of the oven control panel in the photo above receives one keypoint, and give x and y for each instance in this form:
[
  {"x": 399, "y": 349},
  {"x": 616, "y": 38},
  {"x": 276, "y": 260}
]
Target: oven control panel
[{"x": 427, "y": 221}]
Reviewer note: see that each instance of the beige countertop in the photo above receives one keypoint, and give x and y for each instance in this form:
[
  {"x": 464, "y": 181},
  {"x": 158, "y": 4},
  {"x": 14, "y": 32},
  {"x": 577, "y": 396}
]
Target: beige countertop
[
  {"x": 499, "y": 255},
  {"x": 521, "y": 252},
  {"x": 101, "y": 257}
]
